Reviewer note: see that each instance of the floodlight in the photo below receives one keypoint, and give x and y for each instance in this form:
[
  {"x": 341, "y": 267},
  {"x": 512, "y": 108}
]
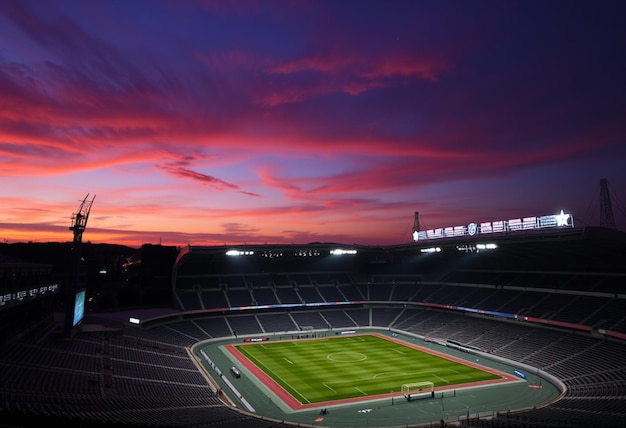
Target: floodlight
[
  {"x": 341, "y": 251},
  {"x": 239, "y": 253}
]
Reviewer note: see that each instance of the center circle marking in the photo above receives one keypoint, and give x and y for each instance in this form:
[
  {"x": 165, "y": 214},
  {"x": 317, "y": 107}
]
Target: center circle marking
[{"x": 346, "y": 357}]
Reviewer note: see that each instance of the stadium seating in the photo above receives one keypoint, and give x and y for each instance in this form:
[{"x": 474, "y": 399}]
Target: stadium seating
[{"x": 143, "y": 376}]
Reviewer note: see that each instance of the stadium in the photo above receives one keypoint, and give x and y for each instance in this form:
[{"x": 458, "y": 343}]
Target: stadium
[{"x": 509, "y": 323}]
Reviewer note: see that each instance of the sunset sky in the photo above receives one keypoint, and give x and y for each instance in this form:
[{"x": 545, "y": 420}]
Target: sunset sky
[{"x": 218, "y": 122}]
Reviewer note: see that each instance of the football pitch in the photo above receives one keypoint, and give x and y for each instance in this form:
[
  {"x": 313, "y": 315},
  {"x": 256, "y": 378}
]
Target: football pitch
[{"x": 351, "y": 367}]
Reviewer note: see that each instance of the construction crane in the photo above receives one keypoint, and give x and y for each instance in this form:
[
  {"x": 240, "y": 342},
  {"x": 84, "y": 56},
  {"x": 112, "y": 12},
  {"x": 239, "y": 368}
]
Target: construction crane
[
  {"x": 79, "y": 223},
  {"x": 79, "y": 219}
]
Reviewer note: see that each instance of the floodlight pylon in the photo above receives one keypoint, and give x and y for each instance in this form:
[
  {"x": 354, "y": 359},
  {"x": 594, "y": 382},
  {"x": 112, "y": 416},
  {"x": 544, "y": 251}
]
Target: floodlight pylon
[
  {"x": 416, "y": 222},
  {"x": 606, "y": 211}
]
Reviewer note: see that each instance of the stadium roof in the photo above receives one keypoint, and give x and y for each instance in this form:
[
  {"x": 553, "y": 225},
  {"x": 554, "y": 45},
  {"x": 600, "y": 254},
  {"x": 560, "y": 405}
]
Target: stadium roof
[{"x": 598, "y": 246}]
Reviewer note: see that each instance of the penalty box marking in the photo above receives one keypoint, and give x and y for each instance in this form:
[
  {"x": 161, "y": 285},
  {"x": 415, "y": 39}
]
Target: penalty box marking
[{"x": 421, "y": 374}]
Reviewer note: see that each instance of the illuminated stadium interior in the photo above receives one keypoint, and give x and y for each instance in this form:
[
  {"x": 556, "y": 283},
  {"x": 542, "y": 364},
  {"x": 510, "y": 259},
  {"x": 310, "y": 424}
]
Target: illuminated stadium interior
[{"x": 544, "y": 306}]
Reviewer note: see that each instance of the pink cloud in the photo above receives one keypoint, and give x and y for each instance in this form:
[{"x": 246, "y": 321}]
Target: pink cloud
[
  {"x": 362, "y": 66},
  {"x": 213, "y": 182},
  {"x": 352, "y": 74},
  {"x": 332, "y": 132}
]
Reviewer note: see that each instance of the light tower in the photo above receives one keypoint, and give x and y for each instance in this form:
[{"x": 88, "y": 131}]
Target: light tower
[
  {"x": 416, "y": 222},
  {"x": 606, "y": 211},
  {"x": 416, "y": 226},
  {"x": 74, "y": 301}
]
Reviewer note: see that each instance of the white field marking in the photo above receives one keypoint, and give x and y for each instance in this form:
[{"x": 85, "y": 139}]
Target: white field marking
[
  {"x": 416, "y": 375},
  {"x": 360, "y": 390},
  {"x": 389, "y": 374},
  {"x": 399, "y": 351},
  {"x": 326, "y": 385},
  {"x": 380, "y": 375},
  {"x": 267, "y": 369},
  {"x": 330, "y": 357},
  {"x": 432, "y": 372},
  {"x": 395, "y": 374},
  {"x": 334, "y": 381},
  {"x": 286, "y": 359},
  {"x": 439, "y": 377}
]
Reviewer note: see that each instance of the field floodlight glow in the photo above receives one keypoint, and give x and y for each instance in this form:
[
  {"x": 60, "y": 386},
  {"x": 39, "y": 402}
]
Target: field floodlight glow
[
  {"x": 272, "y": 254},
  {"x": 234, "y": 253},
  {"x": 341, "y": 251},
  {"x": 306, "y": 252}
]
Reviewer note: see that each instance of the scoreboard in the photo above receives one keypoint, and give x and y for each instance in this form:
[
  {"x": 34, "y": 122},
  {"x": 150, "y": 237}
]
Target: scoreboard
[{"x": 500, "y": 226}]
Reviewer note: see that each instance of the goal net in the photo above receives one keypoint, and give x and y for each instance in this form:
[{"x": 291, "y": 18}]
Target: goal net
[{"x": 417, "y": 389}]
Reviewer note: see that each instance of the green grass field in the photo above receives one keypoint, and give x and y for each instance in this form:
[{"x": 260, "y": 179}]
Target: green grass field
[{"x": 342, "y": 367}]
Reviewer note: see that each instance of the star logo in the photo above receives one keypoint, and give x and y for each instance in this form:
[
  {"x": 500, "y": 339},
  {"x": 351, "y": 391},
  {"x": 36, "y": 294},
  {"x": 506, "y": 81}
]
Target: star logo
[{"x": 561, "y": 219}]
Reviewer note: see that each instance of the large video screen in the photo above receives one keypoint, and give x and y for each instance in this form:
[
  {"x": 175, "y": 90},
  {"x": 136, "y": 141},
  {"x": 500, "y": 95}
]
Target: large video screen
[{"x": 79, "y": 307}]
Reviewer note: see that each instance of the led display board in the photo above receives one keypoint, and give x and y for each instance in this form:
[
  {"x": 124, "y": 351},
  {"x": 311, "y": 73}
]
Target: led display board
[{"x": 79, "y": 307}]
